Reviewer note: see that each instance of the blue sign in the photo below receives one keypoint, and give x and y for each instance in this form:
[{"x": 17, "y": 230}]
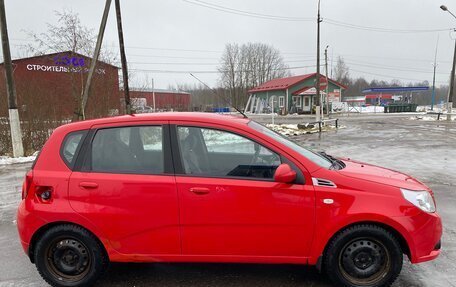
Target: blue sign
[
  {"x": 69, "y": 61},
  {"x": 395, "y": 89}
]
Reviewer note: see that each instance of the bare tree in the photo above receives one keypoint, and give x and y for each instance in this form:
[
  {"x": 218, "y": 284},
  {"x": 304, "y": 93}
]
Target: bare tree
[
  {"x": 341, "y": 71},
  {"x": 68, "y": 34},
  {"x": 246, "y": 66}
]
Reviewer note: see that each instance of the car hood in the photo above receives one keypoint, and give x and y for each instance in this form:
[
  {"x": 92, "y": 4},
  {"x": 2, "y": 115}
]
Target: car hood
[{"x": 381, "y": 175}]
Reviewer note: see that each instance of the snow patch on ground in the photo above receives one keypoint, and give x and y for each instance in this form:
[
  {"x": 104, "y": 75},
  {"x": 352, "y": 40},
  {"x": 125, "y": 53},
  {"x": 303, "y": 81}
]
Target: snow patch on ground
[
  {"x": 295, "y": 130},
  {"x": 443, "y": 117},
  {"x": 4, "y": 160}
]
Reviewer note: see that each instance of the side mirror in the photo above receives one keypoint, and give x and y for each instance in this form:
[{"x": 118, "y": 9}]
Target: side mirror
[{"x": 284, "y": 174}]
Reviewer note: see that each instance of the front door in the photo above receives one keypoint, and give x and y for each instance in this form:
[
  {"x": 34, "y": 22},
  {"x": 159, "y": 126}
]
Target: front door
[
  {"x": 229, "y": 203},
  {"x": 306, "y": 104},
  {"x": 127, "y": 189}
]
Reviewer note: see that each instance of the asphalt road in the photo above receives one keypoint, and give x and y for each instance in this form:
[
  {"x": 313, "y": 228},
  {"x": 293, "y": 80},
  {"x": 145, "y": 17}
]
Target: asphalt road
[{"x": 426, "y": 150}]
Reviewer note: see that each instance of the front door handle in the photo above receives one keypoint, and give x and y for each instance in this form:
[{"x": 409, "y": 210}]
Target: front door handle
[
  {"x": 87, "y": 184},
  {"x": 199, "y": 190}
]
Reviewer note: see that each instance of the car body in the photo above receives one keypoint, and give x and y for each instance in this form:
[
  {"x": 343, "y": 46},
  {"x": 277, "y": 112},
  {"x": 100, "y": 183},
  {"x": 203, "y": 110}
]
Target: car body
[{"x": 200, "y": 187}]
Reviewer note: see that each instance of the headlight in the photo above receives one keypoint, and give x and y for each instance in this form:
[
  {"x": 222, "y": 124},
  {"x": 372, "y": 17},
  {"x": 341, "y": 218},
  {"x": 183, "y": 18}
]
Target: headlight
[{"x": 421, "y": 199}]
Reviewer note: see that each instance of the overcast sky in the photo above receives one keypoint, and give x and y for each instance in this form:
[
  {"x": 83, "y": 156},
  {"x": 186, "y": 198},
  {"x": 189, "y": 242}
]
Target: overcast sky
[{"x": 190, "y": 37}]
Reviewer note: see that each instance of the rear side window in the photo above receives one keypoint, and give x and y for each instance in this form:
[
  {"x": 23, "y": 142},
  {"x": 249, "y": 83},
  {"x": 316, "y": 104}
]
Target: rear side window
[
  {"x": 128, "y": 150},
  {"x": 71, "y": 146}
]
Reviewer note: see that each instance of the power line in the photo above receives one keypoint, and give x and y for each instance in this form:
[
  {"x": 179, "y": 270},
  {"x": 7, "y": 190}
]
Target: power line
[
  {"x": 169, "y": 49},
  {"x": 355, "y": 63},
  {"x": 391, "y": 68},
  {"x": 381, "y": 29},
  {"x": 390, "y": 58},
  {"x": 293, "y": 54},
  {"x": 301, "y": 19},
  {"x": 247, "y": 13},
  {"x": 173, "y": 57},
  {"x": 392, "y": 77},
  {"x": 203, "y": 64},
  {"x": 137, "y": 47},
  {"x": 213, "y": 71}
]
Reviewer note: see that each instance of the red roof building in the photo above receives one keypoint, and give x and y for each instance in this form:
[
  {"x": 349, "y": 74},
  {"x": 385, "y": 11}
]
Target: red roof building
[
  {"x": 292, "y": 94},
  {"x": 165, "y": 100}
]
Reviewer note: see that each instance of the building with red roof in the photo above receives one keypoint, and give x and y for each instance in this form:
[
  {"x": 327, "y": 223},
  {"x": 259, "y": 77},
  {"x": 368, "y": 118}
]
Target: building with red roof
[
  {"x": 49, "y": 86},
  {"x": 161, "y": 100},
  {"x": 292, "y": 94}
]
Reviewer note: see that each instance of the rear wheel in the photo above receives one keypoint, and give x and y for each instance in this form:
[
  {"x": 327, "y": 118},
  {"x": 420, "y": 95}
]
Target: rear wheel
[
  {"x": 68, "y": 255},
  {"x": 363, "y": 255}
]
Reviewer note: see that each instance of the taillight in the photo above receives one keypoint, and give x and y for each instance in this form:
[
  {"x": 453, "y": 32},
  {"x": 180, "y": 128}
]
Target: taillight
[{"x": 27, "y": 183}]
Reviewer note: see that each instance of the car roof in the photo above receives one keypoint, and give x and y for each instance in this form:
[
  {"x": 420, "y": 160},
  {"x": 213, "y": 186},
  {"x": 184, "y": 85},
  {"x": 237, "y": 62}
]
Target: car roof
[{"x": 222, "y": 119}]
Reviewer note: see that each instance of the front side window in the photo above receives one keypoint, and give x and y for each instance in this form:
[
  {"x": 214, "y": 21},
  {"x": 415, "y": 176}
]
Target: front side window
[
  {"x": 128, "y": 150},
  {"x": 312, "y": 156},
  {"x": 219, "y": 153}
]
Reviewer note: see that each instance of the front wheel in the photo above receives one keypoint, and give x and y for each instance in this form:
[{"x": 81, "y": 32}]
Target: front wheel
[
  {"x": 68, "y": 255},
  {"x": 363, "y": 256}
]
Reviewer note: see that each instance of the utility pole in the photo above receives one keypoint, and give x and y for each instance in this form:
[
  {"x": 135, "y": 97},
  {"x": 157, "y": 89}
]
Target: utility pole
[
  {"x": 123, "y": 59},
  {"x": 451, "y": 94},
  {"x": 327, "y": 81},
  {"x": 15, "y": 123},
  {"x": 433, "y": 77},
  {"x": 153, "y": 93},
  {"x": 317, "y": 76},
  {"x": 96, "y": 54}
]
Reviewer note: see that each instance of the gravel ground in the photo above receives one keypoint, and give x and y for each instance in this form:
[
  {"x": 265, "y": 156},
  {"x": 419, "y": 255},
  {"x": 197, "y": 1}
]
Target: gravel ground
[{"x": 424, "y": 149}]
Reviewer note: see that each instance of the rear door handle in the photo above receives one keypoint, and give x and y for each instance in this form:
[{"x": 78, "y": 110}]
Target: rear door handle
[
  {"x": 199, "y": 190},
  {"x": 86, "y": 184}
]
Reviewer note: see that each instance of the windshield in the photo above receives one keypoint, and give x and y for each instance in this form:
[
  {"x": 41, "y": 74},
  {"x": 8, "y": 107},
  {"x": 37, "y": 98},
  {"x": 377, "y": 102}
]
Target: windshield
[{"x": 312, "y": 156}]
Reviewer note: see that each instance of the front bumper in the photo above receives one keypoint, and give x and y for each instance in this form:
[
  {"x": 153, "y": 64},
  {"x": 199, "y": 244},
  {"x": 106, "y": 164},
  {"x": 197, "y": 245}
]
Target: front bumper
[
  {"x": 424, "y": 236},
  {"x": 431, "y": 256}
]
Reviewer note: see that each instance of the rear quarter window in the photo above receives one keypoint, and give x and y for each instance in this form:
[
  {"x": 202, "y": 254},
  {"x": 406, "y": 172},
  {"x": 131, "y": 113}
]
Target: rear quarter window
[{"x": 71, "y": 146}]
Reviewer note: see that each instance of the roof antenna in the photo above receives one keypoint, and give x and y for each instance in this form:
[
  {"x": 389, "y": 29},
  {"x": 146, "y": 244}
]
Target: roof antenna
[{"x": 215, "y": 92}]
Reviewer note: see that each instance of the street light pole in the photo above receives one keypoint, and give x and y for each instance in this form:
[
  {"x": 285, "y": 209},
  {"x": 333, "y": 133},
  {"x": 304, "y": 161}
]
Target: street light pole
[
  {"x": 153, "y": 94},
  {"x": 451, "y": 94},
  {"x": 433, "y": 77},
  {"x": 317, "y": 76},
  {"x": 327, "y": 81}
]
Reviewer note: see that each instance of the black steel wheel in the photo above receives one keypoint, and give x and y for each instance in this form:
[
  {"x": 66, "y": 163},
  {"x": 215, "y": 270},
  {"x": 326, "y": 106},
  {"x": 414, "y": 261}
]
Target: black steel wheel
[
  {"x": 364, "y": 261},
  {"x": 68, "y": 259},
  {"x": 68, "y": 255},
  {"x": 363, "y": 255}
]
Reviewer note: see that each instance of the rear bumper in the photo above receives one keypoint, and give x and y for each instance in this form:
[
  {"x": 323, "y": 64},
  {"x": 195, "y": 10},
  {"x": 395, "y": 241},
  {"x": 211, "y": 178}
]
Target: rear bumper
[{"x": 27, "y": 225}]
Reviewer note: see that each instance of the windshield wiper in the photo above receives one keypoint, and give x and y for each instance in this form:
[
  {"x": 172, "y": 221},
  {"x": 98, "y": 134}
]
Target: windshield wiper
[{"x": 335, "y": 163}]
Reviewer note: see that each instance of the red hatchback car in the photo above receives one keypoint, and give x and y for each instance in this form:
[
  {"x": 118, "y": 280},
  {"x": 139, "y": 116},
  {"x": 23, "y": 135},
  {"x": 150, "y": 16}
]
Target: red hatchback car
[{"x": 197, "y": 187}]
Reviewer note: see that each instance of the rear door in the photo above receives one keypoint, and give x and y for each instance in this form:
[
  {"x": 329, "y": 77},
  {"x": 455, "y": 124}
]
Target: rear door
[
  {"x": 229, "y": 202},
  {"x": 125, "y": 186}
]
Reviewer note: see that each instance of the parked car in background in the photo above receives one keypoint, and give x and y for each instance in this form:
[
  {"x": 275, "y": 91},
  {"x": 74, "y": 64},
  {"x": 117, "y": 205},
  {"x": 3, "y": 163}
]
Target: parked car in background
[
  {"x": 200, "y": 187},
  {"x": 143, "y": 109}
]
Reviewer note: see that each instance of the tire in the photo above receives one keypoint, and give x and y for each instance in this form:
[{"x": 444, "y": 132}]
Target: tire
[
  {"x": 363, "y": 256},
  {"x": 69, "y": 255}
]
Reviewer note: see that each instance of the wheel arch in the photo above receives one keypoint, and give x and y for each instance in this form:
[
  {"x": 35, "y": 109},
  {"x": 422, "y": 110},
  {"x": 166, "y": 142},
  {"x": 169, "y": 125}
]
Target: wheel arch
[
  {"x": 397, "y": 234},
  {"x": 39, "y": 233}
]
